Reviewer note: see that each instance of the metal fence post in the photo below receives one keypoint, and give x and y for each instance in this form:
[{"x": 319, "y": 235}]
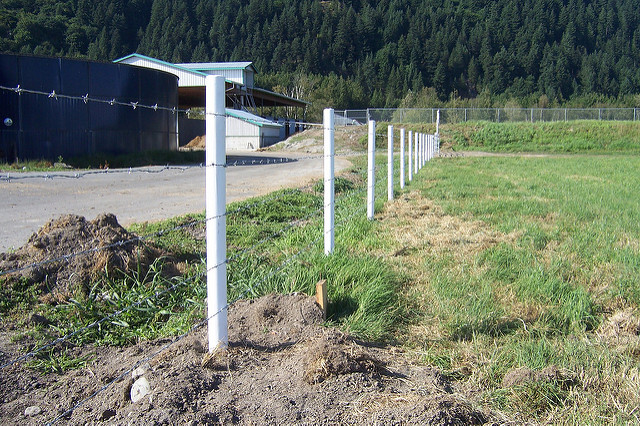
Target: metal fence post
[
  {"x": 216, "y": 232},
  {"x": 371, "y": 169},
  {"x": 329, "y": 181},
  {"x": 402, "y": 159},
  {"x": 390, "y": 162}
]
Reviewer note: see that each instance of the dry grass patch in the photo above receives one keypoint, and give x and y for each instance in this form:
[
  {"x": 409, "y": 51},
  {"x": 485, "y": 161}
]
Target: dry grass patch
[{"x": 417, "y": 223}]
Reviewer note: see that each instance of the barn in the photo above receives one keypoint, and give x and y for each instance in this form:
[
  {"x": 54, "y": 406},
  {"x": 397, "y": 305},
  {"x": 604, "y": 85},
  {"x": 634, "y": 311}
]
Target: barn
[{"x": 246, "y": 129}]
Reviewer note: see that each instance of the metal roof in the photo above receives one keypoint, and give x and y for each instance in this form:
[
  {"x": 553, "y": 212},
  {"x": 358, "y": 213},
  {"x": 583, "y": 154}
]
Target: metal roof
[
  {"x": 212, "y": 66},
  {"x": 251, "y": 118},
  {"x": 161, "y": 62}
]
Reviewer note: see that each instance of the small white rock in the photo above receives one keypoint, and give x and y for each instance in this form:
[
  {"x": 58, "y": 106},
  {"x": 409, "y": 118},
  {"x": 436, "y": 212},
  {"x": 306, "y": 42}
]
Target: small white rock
[
  {"x": 140, "y": 389},
  {"x": 34, "y": 410},
  {"x": 139, "y": 371}
]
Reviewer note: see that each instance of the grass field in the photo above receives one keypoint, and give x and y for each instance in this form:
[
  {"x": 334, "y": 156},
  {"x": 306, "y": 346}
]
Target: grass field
[
  {"x": 482, "y": 267},
  {"x": 595, "y": 137},
  {"x": 528, "y": 262}
]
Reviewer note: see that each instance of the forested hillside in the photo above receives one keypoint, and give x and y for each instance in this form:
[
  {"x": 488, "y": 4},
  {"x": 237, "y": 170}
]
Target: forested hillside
[{"x": 363, "y": 53}]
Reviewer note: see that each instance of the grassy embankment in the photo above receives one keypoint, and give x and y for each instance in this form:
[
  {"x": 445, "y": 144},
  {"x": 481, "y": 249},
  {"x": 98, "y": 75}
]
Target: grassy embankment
[{"x": 480, "y": 266}]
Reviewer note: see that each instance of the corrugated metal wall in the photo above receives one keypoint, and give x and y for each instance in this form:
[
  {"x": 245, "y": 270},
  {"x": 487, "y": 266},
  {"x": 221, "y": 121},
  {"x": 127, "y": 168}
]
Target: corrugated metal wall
[{"x": 46, "y": 127}]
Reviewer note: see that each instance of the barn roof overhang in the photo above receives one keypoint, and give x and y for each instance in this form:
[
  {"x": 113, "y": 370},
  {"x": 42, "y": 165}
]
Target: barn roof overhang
[{"x": 194, "y": 97}]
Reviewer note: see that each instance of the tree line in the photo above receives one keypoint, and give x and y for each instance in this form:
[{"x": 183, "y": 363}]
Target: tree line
[{"x": 364, "y": 53}]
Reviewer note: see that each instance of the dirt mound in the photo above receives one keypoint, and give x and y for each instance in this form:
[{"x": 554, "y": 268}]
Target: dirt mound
[
  {"x": 270, "y": 323},
  {"x": 106, "y": 246},
  {"x": 199, "y": 142},
  {"x": 333, "y": 354},
  {"x": 282, "y": 367}
]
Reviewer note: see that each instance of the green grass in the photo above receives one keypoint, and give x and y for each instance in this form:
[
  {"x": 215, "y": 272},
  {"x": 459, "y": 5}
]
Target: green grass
[
  {"x": 596, "y": 137},
  {"x": 568, "y": 258}
]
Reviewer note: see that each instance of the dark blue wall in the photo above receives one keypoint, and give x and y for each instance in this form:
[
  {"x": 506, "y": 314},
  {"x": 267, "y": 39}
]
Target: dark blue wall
[{"x": 47, "y": 128}]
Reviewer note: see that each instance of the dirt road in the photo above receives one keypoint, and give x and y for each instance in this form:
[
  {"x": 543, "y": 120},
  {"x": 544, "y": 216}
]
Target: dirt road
[{"x": 27, "y": 204}]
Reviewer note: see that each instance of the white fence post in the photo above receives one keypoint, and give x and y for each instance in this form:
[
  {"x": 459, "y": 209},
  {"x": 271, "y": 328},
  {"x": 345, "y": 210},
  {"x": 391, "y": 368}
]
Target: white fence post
[
  {"x": 402, "y": 159},
  {"x": 415, "y": 159},
  {"x": 329, "y": 181},
  {"x": 433, "y": 146},
  {"x": 421, "y": 150},
  {"x": 390, "y": 162},
  {"x": 215, "y": 185},
  {"x": 372, "y": 169},
  {"x": 410, "y": 159},
  {"x": 425, "y": 155}
]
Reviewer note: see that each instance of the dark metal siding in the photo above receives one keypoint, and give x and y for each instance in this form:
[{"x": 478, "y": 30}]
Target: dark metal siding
[{"x": 48, "y": 127}]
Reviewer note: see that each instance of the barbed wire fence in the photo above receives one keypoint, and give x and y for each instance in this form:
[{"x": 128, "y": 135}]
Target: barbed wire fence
[{"x": 420, "y": 149}]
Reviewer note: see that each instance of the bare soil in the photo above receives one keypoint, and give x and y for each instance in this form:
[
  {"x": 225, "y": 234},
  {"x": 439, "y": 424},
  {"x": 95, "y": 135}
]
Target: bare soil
[
  {"x": 109, "y": 248},
  {"x": 282, "y": 367}
]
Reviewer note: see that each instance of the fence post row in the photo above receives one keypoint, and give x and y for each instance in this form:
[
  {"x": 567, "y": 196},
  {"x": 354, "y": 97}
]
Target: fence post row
[
  {"x": 215, "y": 187},
  {"x": 390, "y": 162},
  {"x": 329, "y": 181},
  {"x": 371, "y": 169}
]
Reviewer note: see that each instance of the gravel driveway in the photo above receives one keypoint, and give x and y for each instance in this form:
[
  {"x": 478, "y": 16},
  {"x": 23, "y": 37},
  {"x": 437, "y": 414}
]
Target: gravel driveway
[{"x": 139, "y": 196}]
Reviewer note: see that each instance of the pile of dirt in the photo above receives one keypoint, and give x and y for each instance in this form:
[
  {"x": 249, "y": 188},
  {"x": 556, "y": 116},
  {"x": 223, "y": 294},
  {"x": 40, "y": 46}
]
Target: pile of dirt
[
  {"x": 103, "y": 245},
  {"x": 199, "y": 142},
  {"x": 282, "y": 367}
]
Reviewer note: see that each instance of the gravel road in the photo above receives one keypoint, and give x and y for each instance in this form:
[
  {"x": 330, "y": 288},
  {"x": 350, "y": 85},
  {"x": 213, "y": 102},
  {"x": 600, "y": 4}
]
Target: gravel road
[{"x": 27, "y": 204}]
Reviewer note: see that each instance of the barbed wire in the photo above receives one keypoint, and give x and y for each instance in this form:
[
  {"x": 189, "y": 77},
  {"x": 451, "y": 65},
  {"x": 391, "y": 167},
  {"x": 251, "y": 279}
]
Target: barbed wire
[
  {"x": 94, "y": 324},
  {"x": 86, "y": 99},
  {"x": 159, "y": 294},
  {"x": 143, "y": 238},
  {"x": 250, "y": 288},
  {"x": 18, "y": 175}
]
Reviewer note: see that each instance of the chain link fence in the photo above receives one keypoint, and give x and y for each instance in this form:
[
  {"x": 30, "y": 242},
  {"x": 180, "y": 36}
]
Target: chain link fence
[{"x": 497, "y": 115}]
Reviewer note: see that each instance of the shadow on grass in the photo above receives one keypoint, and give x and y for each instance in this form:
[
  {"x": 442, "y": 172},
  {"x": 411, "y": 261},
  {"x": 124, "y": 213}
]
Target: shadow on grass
[
  {"x": 341, "y": 308},
  {"x": 492, "y": 327}
]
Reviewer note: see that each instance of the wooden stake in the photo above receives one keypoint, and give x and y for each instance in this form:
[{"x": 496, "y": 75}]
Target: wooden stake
[{"x": 321, "y": 297}]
